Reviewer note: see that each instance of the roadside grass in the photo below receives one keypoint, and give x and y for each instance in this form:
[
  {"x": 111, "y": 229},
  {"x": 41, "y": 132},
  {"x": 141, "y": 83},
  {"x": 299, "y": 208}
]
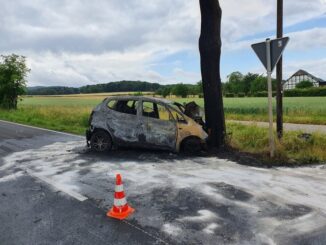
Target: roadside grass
[
  {"x": 70, "y": 119},
  {"x": 293, "y": 148}
]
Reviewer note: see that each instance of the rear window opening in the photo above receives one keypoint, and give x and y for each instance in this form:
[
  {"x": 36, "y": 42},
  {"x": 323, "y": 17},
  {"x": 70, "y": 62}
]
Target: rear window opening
[{"x": 123, "y": 106}]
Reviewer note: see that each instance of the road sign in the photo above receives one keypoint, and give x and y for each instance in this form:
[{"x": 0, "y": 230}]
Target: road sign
[
  {"x": 269, "y": 53},
  {"x": 277, "y": 47}
]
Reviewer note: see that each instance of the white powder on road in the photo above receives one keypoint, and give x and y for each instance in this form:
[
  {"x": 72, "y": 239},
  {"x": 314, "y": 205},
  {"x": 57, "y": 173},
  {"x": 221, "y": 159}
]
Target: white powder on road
[
  {"x": 210, "y": 228},
  {"x": 76, "y": 172},
  {"x": 203, "y": 215}
]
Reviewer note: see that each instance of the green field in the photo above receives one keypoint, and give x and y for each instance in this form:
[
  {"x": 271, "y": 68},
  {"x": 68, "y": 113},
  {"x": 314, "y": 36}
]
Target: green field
[
  {"x": 71, "y": 113},
  {"x": 308, "y": 110}
]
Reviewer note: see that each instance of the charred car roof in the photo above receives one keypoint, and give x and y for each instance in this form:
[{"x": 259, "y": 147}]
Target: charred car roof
[{"x": 130, "y": 97}]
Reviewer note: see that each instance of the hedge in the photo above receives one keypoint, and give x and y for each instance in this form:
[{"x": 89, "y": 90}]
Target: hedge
[{"x": 307, "y": 92}]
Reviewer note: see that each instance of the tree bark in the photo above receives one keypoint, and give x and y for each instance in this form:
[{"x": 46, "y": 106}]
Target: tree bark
[{"x": 210, "y": 53}]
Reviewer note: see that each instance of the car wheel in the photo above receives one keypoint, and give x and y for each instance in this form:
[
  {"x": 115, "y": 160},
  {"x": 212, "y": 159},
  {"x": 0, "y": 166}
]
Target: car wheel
[
  {"x": 101, "y": 141},
  {"x": 191, "y": 145}
]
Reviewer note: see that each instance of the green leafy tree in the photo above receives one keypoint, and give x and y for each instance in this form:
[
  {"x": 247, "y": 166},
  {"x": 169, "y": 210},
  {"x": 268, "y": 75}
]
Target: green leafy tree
[
  {"x": 247, "y": 80},
  {"x": 235, "y": 83},
  {"x": 180, "y": 90},
  {"x": 166, "y": 92},
  {"x": 199, "y": 87},
  {"x": 13, "y": 72},
  {"x": 260, "y": 84},
  {"x": 304, "y": 84}
]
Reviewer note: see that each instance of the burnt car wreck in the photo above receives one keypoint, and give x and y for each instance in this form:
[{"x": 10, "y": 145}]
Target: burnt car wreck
[{"x": 154, "y": 123}]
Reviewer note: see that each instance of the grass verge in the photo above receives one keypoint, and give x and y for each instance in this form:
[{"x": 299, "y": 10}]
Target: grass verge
[
  {"x": 69, "y": 119},
  {"x": 292, "y": 149}
]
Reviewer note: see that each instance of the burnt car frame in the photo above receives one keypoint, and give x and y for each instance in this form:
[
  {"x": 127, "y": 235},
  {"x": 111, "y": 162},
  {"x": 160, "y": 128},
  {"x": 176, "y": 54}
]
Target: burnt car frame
[{"x": 137, "y": 121}]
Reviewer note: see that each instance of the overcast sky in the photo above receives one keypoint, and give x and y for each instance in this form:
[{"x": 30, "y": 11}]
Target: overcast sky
[{"x": 78, "y": 42}]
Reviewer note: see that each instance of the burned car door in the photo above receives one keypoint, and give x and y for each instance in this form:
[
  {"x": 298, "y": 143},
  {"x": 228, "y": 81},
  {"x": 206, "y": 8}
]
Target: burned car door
[
  {"x": 159, "y": 129},
  {"x": 123, "y": 121}
]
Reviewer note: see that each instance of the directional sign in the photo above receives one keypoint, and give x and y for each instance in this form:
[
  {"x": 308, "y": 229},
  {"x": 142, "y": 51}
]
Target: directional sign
[{"x": 277, "y": 47}]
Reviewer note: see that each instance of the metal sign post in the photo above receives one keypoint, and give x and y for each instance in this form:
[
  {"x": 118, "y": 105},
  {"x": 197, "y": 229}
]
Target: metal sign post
[
  {"x": 269, "y": 53},
  {"x": 270, "y": 97}
]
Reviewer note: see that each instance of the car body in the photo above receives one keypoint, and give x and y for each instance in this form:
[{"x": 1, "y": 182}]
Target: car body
[{"x": 147, "y": 122}]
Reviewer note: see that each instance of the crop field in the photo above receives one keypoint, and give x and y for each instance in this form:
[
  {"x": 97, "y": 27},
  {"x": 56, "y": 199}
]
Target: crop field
[
  {"x": 70, "y": 114},
  {"x": 307, "y": 110}
]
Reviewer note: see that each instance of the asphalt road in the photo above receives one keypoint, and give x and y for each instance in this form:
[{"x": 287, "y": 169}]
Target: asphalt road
[
  {"x": 54, "y": 191},
  {"x": 35, "y": 212}
]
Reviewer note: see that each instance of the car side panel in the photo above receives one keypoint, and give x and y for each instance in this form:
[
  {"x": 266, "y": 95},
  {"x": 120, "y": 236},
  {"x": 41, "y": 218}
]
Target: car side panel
[
  {"x": 124, "y": 127},
  {"x": 158, "y": 133}
]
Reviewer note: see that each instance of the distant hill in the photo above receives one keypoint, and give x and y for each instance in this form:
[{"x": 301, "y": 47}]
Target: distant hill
[
  {"x": 120, "y": 86},
  {"x": 53, "y": 90}
]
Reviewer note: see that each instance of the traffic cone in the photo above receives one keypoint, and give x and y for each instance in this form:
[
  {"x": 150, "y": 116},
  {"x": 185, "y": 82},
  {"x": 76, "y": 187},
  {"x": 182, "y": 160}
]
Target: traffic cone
[{"x": 120, "y": 209}]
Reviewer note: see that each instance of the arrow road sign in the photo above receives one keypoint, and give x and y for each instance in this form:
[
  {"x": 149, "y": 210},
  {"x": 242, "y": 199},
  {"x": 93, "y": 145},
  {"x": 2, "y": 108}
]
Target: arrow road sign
[{"x": 277, "y": 47}]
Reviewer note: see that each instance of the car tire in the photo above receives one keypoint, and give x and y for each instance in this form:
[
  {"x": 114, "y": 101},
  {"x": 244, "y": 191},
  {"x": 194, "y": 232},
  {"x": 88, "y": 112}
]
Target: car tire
[
  {"x": 191, "y": 145},
  {"x": 101, "y": 141}
]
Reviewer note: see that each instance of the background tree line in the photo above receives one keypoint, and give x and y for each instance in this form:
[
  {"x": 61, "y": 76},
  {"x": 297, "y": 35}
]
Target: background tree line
[
  {"x": 250, "y": 84},
  {"x": 182, "y": 90}
]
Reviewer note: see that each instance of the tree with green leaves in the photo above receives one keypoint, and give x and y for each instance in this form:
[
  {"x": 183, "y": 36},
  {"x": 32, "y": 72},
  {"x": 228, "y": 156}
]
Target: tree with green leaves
[
  {"x": 247, "y": 79},
  {"x": 235, "y": 83},
  {"x": 304, "y": 84},
  {"x": 180, "y": 90},
  {"x": 259, "y": 84},
  {"x": 13, "y": 72},
  {"x": 164, "y": 91}
]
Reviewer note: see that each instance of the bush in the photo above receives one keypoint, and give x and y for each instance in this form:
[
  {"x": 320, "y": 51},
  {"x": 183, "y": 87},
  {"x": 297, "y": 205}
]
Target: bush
[
  {"x": 307, "y": 92},
  {"x": 304, "y": 84},
  {"x": 241, "y": 95},
  {"x": 229, "y": 95},
  {"x": 261, "y": 94}
]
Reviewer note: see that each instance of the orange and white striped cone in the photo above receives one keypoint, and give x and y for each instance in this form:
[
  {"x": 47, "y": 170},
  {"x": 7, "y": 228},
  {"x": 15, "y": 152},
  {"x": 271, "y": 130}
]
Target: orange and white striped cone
[{"x": 120, "y": 209}]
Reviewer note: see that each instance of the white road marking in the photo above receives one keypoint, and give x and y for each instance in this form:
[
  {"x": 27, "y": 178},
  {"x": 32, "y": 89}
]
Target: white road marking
[
  {"x": 71, "y": 193},
  {"x": 44, "y": 129}
]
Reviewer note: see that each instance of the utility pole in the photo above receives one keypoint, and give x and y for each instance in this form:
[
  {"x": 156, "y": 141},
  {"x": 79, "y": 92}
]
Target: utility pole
[
  {"x": 210, "y": 54},
  {"x": 279, "y": 74}
]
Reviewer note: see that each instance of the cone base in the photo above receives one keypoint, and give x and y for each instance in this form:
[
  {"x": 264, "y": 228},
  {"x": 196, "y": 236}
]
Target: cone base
[{"x": 120, "y": 216}]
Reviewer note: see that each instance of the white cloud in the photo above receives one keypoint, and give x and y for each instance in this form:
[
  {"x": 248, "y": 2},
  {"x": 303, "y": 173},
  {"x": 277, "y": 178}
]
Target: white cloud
[
  {"x": 308, "y": 39},
  {"x": 74, "y": 42},
  {"x": 315, "y": 67}
]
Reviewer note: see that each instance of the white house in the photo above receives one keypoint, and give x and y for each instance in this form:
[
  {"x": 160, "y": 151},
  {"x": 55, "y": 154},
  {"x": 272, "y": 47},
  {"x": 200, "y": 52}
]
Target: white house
[{"x": 302, "y": 75}]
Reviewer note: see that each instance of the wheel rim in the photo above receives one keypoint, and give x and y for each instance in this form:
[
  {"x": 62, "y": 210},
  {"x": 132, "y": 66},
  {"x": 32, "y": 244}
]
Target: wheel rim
[{"x": 100, "y": 143}]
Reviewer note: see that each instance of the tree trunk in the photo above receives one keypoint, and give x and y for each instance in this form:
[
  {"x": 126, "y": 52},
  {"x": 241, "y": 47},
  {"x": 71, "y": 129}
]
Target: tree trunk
[{"x": 210, "y": 53}]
